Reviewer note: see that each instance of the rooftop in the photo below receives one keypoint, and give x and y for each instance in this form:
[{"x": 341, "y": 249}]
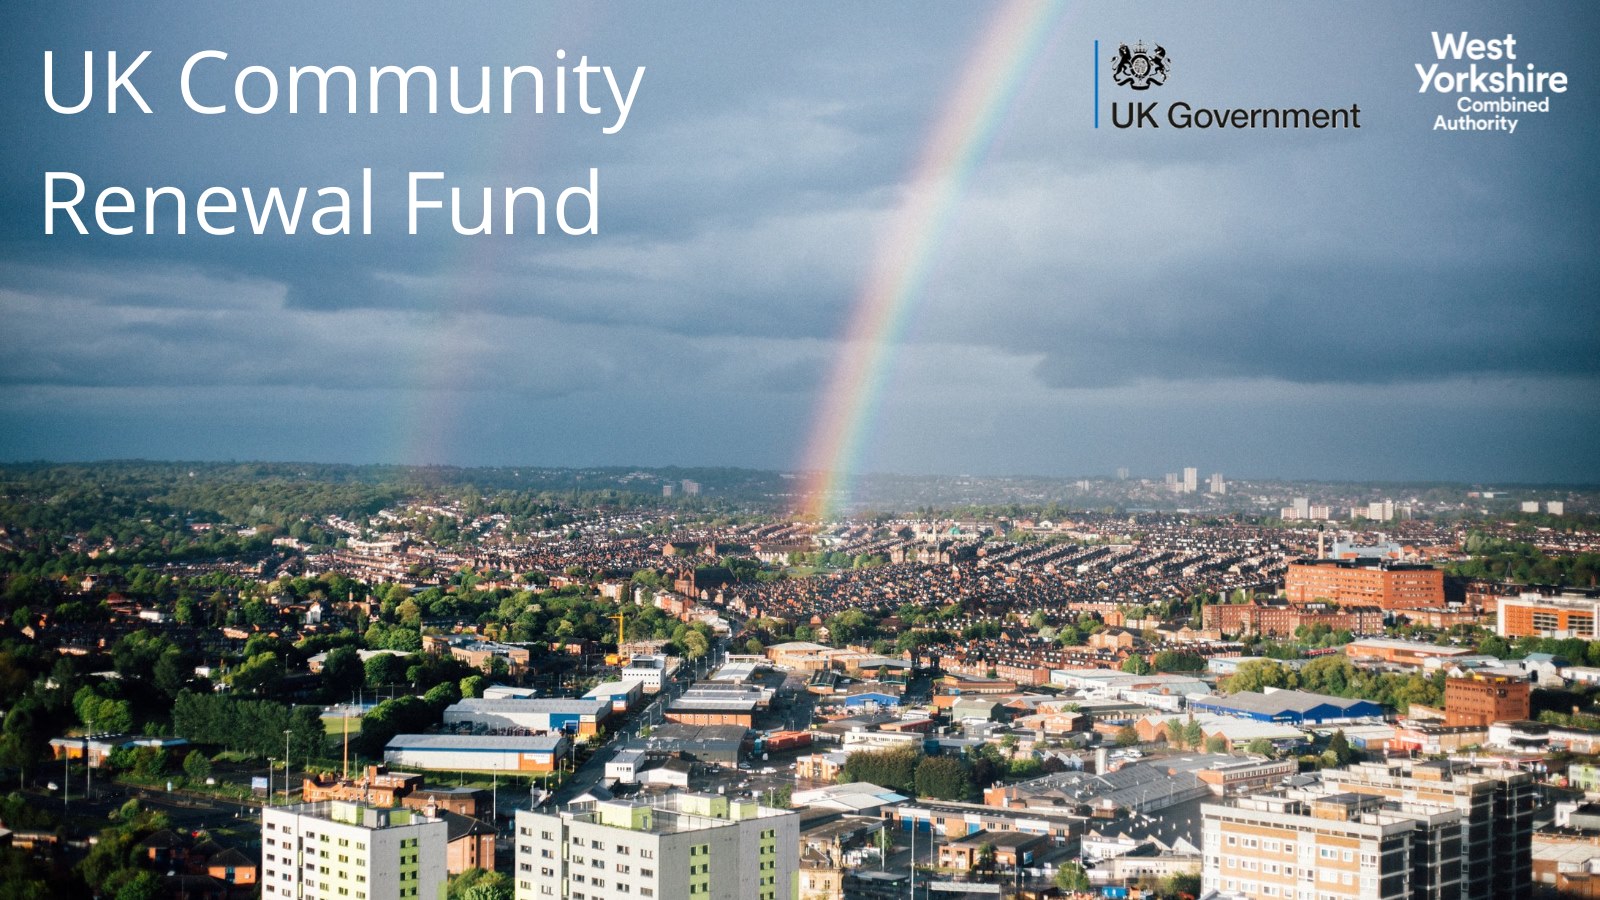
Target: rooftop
[
  {"x": 495, "y": 743},
  {"x": 671, "y": 813}
]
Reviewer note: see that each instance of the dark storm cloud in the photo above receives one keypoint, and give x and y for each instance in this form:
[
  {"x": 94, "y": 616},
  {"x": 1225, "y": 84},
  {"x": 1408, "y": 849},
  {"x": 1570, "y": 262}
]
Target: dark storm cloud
[{"x": 1083, "y": 275}]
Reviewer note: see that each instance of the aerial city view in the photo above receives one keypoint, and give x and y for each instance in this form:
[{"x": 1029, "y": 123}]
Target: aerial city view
[
  {"x": 819, "y": 450},
  {"x": 232, "y": 680}
]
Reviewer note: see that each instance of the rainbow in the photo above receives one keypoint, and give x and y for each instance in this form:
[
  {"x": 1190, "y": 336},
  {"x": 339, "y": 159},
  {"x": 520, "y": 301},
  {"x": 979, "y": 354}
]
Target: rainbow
[{"x": 904, "y": 256}]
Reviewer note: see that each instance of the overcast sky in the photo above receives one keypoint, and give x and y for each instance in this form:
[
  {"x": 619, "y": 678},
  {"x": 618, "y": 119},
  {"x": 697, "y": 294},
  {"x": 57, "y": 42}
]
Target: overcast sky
[{"x": 1384, "y": 303}]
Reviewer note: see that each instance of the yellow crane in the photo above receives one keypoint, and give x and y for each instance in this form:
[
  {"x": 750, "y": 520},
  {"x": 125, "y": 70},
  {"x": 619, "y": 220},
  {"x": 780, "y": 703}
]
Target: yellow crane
[{"x": 617, "y": 658}]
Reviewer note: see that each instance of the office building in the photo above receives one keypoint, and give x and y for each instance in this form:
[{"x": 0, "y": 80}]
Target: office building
[
  {"x": 339, "y": 850},
  {"x": 1280, "y": 619},
  {"x": 679, "y": 846},
  {"x": 650, "y": 671},
  {"x": 1533, "y": 615},
  {"x": 1484, "y": 699},
  {"x": 1365, "y": 582}
]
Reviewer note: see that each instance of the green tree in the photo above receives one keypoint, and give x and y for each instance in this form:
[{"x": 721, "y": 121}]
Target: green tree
[
  {"x": 1072, "y": 878},
  {"x": 984, "y": 864},
  {"x": 1177, "y": 661},
  {"x": 342, "y": 673},
  {"x": 1175, "y": 734},
  {"x": 197, "y": 766},
  {"x": 943, "y": 777},
  {"x": 895, "y": 769},
  {"x": 1339, "y": 747},
  {"x": 1136, "y": 665},
  {"x": 385, "y": 668},
  {"x": 1261, "y": 747},
  {"x": 1260, "y": 673},
  {"x": 479, "y": 884},
  {"x": 473, "y": 685},
  {"x": 1193, "y": 734},
  {"x": 1182, "y": 883},
  {"x": 1126, "y": 736},
  {"x": 141, "y": 886}
]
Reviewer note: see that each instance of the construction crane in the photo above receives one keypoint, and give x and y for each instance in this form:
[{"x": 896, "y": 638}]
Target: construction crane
[{"x": 618, "y": 658}]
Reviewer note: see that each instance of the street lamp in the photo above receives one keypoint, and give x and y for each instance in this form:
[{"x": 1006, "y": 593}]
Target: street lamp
[
  {"x": 270, "y": 761},
  {"x": 286, "y": 733}
]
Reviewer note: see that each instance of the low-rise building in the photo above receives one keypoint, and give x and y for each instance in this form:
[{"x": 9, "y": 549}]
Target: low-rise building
[
  {"x": 1293, "y": 707},
  {"x": 537, "y": 754},
  {"x": 1482, "y": 699},
  {"x": 581, "y": 716}
]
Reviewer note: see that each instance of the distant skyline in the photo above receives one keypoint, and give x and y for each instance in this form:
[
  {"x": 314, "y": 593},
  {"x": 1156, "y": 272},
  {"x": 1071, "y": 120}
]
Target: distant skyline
[{"x": 1384, "y": 304}]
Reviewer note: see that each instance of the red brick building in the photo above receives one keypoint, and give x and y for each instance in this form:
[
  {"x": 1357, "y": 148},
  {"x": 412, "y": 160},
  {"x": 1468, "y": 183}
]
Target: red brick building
[
  {"x": 1362, "y": 582},
  {"x": 1284, "y": 619},
  {"x": 1482, "y": 699}
]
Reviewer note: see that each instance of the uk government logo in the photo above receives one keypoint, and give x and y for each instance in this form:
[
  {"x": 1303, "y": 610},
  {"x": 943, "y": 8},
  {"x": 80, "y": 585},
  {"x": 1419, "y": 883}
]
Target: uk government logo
[{"x": 1140, "y": 67}]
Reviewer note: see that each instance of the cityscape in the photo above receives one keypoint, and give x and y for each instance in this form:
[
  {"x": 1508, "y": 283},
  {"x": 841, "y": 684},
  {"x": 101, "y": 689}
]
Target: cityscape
[
  {"x": 280, "y": 680},
  {"x": 821, "y": 450}
]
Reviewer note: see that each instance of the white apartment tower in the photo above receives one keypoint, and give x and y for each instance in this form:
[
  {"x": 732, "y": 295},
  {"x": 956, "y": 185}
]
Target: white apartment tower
[
  {"x": 338, "y": 850},
  {"x": 1218, "y": 486},
  {"x": 1191, "y": 479},
  {"x": 683, "y": 846}
]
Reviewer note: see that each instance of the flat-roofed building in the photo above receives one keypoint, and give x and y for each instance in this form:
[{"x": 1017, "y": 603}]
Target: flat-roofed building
[
  {"x": 1533, "y": 615},
  {"x": 1293, "y": 707},
  {"x": 1482, "y": 699},
  {"x": 718, "y": 745},
  {"x": 1496, "y": 806},
  {"x": 1365, "y": 582},
  {"x": 1281, "y": 619},
  {"x": 710, "y": 709},
  {"x": 1400, "y": 653},
  {"x": 580, "y": 716},
  {"x": 1339, "y": 846},
  {"x": 530, "y": 753},
  {"x": 682, "y": 845},
  {"x": 621, "y": 694},
  {"x": 650, "y": 670}
]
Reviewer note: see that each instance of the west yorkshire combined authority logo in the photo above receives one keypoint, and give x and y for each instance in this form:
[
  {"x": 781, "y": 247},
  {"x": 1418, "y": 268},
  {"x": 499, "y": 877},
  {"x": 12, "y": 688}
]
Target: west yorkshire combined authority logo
[
  {"x": 1484, "y": 95},
  {"x": 1139, "y": 68}
]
